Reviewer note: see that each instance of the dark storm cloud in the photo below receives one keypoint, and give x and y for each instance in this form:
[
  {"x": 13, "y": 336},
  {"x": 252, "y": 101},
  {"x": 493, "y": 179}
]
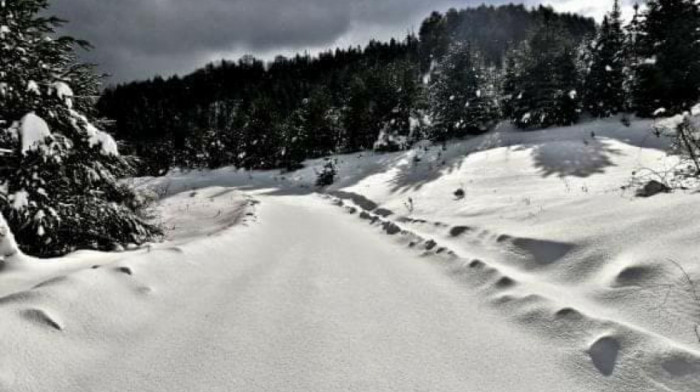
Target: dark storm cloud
[{"x": 140, "y": 38}]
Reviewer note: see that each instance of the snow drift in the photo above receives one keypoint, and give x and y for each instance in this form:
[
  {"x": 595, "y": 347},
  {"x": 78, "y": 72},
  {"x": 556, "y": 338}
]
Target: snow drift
[{"x": 434, "y": 268}]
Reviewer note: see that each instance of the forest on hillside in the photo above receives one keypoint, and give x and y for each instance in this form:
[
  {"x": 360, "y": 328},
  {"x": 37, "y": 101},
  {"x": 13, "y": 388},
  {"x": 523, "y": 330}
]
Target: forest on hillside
[
  {"x": 387, "y": 95},
  {"x": 465, "y": 71}
]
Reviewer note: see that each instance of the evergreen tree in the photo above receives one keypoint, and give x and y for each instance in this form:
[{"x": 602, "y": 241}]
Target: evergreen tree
[
  {"x": 603, "y": 88},
  {"x": 632, "y": 61},
  {"x": 404, "y": 104},
  {"x": 322, "y": 122},
  {"x": 540, "y": 88},
  {"x": 261, "y": 136},
  {"x": 59, "y": 189},
  {"x": 669, "y": 46},
  {"x": 311, "y": 131},
  {"x": 360, "y": 129},
  {"x": 461, "y": 97}
]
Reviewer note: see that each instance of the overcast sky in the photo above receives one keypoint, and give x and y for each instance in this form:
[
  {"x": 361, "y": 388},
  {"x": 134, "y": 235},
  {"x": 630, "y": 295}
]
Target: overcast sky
[{"x": 137, "y": 39}]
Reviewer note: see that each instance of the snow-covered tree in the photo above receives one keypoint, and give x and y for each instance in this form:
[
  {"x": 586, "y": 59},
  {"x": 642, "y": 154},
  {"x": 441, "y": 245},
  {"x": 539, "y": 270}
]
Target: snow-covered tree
[
  {"x": 311, "y": 131},
  {"x": 540, "y": 87},
  {"x": 461, "y": 92},
  {"x": 405, "y": 102},
  {"x": 632, "y": 60},
  {"x": 668, "y": 75},
  {"x": 58, "y": 170},
  {"x": 603, "y": 87}
]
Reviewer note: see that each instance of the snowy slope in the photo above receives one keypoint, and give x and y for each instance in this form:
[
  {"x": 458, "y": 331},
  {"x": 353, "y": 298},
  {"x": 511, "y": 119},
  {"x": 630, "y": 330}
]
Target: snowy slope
[{"x": 546, "y": 275}]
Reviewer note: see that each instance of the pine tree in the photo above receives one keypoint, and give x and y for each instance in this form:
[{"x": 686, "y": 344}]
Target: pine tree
[
  {"x": 669, "y": 46},
  {"x": 59, "y": 171},
  {"x": 603, "y": 86},
  {"x": 404, "y": 102},
  {"x": 322, "y": 124},
  {"x": 540, "y": 87},
  {"x": 461, "y": 97},
  {"x": 262, "y": 135},
  {"x": 632, "y": 61}
]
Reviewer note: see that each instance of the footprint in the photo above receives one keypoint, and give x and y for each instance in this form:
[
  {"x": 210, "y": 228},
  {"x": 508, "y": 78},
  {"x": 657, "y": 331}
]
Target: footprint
[
  {"x": 542, "y": 252},
  {"x": 681, "y": 367},
  {"x": 459, "y": 230},
  {"x": 41, "y": 317},
  {"x": 505, "y": 282},
  {"x": 634, "y": 275},
  {"x": 52, "y": 282},
  {"x": 125, "y": 270},
  {"x": 604, "y": 354},
  {"x": 145, "y": 290},
  {"x": 477, "y": 264},
  {"x": 23, "y": 296},
  {"x": 390, "y": 228},
  {"x": 430, "y": 245},
  {"x": 383, "y": 212},
  {"x": 568, "y": 313},
  {"x": 174, "y": 249}
]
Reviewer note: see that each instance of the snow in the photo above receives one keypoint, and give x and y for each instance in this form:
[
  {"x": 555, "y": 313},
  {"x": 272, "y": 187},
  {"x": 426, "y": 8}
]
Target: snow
[
  {"x": 548, "y": 275},
  {"x": 33, "y": 132},
  {"x": 659, "y": 112},
  {"x": 108, "y": 146},
  {"x": 64, "y": 93},
  {"x": 20, "y": 200},
  {"x": 8, "y": 246},
  {"x": 388, "y": 139},
  {"x": 33, "y": 88}
]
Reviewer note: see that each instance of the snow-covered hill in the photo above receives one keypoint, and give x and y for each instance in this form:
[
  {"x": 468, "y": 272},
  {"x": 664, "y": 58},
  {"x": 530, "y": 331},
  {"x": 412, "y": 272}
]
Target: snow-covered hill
[{"x": 514, "y": 261}]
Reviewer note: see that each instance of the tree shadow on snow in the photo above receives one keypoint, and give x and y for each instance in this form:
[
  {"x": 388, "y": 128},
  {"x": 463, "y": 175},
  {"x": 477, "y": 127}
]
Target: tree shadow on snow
[
  {"x": 572, "y": 157},
  {"x": 415, "y": 176}
]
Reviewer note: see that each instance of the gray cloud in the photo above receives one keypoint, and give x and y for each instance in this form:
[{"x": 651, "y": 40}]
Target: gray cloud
[{"x": 141, "y": 38}]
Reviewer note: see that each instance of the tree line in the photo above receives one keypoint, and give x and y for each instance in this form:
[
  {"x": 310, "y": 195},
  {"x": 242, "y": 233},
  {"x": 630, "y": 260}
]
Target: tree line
[
  {"x": 385, "y": 95},
  {"x": 464, "y": 71}
]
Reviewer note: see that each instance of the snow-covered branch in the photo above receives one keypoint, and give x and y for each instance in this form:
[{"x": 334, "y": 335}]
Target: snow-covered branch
[{"x": 8, "y": 246}]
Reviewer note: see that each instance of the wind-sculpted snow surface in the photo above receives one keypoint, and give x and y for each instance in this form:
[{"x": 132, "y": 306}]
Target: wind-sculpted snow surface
[
  {"x": 507, "y": 262},
  {"x": 634, "y": 358}
]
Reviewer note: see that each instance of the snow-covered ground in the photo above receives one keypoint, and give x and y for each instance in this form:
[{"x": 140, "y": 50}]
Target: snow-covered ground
[{"x": 544, "y": 273}]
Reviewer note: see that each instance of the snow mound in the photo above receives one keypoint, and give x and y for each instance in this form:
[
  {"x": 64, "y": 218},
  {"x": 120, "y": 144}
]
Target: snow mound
[
  {"x": 34, "y": 132},
  {"x": 543, "y": 253}
]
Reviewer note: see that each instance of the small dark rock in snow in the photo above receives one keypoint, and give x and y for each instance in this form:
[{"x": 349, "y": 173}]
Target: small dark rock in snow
[{"x": 653, "y": 188}]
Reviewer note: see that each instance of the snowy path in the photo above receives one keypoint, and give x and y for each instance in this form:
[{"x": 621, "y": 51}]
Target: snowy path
[{"x": 306, "y": 299}]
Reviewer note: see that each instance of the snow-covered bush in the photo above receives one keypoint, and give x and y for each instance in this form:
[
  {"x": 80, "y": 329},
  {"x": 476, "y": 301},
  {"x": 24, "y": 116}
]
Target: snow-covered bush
[
  {"x": 58, "y": 170},
  {"x": 390, "y": 142},
  {"x": 685, "y": 131}
]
